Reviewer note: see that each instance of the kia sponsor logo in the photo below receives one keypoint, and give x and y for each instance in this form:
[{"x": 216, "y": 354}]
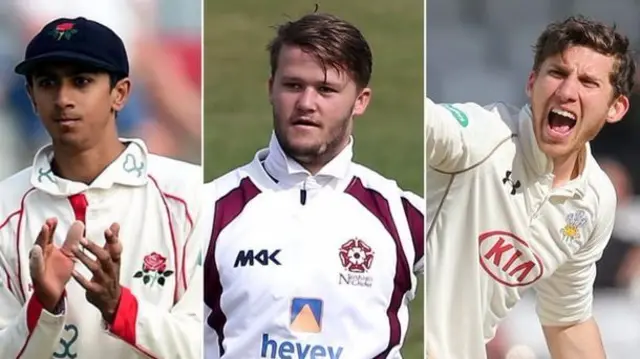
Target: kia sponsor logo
[{"x": 508, "y": 259}]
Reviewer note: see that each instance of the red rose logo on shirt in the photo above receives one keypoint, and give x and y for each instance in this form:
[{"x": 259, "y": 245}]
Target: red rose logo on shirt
[
  {"x": 65, "y": 29},
  {"x": 155, "y": 262},
  {"x": 154, "y": 269}
]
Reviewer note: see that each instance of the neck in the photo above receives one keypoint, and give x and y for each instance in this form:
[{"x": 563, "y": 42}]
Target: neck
[
  {"x": 568, "y": 168},
  {"x": 315, "y": 164},
  {"x": 87, "y": 164}
]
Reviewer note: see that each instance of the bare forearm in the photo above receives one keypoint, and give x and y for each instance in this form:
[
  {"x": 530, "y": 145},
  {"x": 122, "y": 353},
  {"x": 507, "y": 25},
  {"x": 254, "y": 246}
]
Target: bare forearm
[{"x": 580, "y": 341}]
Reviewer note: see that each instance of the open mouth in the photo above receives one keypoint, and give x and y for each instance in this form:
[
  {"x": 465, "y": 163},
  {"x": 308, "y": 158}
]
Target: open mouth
[{"x": 561, "y": 122}]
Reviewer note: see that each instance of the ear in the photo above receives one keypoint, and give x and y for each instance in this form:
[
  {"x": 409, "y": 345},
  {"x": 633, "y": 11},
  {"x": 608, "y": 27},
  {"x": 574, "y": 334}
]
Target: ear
[
  {"x": 362, "y": 101},
  {"x": 530, "y": 82},
  {"x": 120, "y": 94},
  {"x": 270, "y": 89},
  {"x": 618, "y": 109}
]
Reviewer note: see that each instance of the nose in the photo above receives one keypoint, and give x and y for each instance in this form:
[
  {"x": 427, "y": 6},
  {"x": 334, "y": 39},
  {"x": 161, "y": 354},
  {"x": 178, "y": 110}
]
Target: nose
[
  {"x": 306, "y": 100},
  {"x": 567, "y": 91},
  {"x": 64, "y": 96}
]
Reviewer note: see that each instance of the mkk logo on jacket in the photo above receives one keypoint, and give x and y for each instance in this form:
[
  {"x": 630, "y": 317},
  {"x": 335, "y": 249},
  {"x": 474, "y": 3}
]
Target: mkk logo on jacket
[{"x": 252, "y": 257}]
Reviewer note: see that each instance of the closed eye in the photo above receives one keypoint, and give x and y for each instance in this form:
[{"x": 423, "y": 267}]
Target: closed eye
[
  {"x": 557, "y": 73},
  {"x": 589, "y": 82}
]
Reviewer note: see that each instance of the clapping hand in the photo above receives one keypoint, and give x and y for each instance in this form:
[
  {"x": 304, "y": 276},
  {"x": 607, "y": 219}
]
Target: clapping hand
[
  {"x": 103, "y": 290},
  {"x": 51, "y": 267}
]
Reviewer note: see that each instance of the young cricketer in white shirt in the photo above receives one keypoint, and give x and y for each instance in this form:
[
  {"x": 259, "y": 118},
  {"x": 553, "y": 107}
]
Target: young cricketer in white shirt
[
  {"x": 130, "y": 219},
  {"x": 312, "y": 255},
  {"x": 516, "y": 201}
]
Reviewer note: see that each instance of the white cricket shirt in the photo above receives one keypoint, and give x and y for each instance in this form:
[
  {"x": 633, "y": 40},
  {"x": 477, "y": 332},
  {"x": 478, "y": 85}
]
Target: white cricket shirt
[
  {"x": 155, "y": 201},
  {"x": 497, "y": 228},
  {"x": 302, "y": 266}
]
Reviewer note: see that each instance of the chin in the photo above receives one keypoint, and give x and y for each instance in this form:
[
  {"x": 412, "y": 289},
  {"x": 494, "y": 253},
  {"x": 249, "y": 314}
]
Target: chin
[
  {"x": 71, "y": 140},
  {"x": 300, "y": 147},
  {"x": 557, "y": 150},
  {"x": 555, "y": 147}
]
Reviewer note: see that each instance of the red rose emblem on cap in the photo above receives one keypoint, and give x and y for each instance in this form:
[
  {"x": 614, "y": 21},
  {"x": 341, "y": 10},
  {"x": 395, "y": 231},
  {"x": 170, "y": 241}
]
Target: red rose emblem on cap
[
  {"x": 155, "y": 262},
  {"x": 65, "y": 26},
  {"x": 63, "y": 30}
]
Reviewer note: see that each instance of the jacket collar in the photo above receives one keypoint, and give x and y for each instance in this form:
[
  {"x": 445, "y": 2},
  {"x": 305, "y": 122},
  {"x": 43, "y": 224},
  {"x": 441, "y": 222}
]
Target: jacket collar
[
  {"x": 129, "y": 169},
  {"x": 287, "y": 171}
]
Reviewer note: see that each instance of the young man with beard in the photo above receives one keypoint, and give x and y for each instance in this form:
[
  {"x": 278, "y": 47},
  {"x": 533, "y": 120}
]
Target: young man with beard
[
  {"x": 129, "y": 218},
  {"x": 311, "y": 254},
  {"x": 516, "y": 201}
]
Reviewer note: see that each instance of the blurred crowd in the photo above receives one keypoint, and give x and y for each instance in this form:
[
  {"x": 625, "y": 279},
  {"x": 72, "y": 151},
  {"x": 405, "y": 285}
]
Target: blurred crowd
[
  {"x": 481, "y": 51},
  {"x": 163, "y": 40}
]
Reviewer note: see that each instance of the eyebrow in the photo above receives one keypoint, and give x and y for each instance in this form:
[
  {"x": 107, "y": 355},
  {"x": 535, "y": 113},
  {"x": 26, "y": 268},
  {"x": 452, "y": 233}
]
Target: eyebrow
[
  {"x": 565, "y": 71},
  {"x": 317, "y": 83}
]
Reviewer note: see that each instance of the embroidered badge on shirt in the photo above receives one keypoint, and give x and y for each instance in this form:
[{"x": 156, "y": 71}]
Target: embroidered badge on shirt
[
  {"x": 67, "y": 343},
  {"x": 132, "y": 165},
  {"x": 356, "y": 256},
  {"x": 571, "y": 232},
  {"x": 46, "y": 173},
  {"x": 154, "y": 270}
]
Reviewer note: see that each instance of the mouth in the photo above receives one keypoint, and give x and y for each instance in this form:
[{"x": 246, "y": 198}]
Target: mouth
[
  {"x": 66, "y": 120},
  {"x": 561, "y": 122},
  {"x": 304, "y": 122}
]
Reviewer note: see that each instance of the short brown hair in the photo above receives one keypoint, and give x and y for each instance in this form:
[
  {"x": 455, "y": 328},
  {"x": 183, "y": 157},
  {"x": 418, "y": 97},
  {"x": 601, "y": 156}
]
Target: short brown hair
[
  {"x": 604, "y": 39},
  {"x": 334, "y": 42}
]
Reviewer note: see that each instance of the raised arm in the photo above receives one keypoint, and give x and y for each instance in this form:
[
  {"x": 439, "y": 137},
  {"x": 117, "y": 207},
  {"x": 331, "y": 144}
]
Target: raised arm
[{"x": 459, "y": 136}]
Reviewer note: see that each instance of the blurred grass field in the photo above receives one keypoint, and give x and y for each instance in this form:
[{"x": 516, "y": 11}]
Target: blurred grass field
[{"x": 388, "y": 138}]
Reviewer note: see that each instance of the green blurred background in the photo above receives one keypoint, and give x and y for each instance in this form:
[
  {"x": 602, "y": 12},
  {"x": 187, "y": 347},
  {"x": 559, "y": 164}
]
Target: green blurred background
[{"x": 388, "y": 138}]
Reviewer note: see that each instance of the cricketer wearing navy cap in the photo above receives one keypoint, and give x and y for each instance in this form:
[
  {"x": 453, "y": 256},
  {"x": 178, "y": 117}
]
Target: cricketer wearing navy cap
[
  {"x": 77, "y": 79},
  {"x": 99, "y": 209}
]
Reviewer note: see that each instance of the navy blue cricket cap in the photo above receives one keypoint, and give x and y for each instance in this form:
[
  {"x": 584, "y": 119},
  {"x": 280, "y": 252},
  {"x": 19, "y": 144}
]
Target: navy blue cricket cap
[{"x": 78, "y": 41}]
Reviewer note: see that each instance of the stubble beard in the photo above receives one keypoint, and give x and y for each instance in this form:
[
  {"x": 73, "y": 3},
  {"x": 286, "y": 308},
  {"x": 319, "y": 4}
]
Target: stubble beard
[{"x": 317, "y": 155}]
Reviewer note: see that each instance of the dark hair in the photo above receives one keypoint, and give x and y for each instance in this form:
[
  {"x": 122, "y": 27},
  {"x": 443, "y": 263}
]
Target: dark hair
[
  {"x": 334, "y": 42},
  {"x": 604, "y": 39}
]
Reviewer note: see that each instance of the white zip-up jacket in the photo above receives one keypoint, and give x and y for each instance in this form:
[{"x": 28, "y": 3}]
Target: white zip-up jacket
[
  {"x": 155, "y": 201},
  {"x": 497, "y": 228},
  {"x": 302, "y": 266}
]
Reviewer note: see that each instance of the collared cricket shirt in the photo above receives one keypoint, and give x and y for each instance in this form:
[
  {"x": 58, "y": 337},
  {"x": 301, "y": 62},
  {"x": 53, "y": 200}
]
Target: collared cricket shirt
[
  {"x": 155, "y": 201},
  {"x": 310, "y": 266},
  {"x": 497, "y": 228}
]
